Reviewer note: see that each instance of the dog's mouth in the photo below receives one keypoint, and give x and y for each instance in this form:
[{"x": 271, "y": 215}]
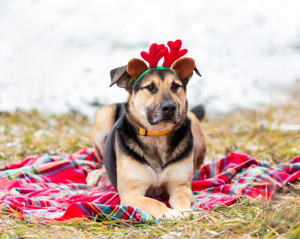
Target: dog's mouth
[{"x": 166, "y": 119}]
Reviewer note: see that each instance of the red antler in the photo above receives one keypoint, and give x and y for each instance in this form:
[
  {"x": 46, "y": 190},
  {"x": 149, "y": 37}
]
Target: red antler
[
  {"x": 174, "y": 53},
  {"x": 156, "y": 52}
]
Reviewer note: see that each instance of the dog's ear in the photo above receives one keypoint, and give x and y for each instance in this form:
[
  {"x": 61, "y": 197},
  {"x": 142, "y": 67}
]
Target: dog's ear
[
  {"x": 125, "y": 76},
  {"x": 184, "y": 67},
  {"x": 121, "y": 77},
  {"x": 136, "y": 67}
]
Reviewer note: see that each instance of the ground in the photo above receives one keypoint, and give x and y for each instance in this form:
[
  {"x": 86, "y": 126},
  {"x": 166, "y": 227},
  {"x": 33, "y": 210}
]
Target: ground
[{"x": 266, "y": 133}]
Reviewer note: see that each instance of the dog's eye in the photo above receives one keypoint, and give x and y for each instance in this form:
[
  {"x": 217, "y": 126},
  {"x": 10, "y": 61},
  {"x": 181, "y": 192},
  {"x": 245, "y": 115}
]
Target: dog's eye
[
  {"x": 174, "y": 87},
  {"x": 151, "y": 88}
]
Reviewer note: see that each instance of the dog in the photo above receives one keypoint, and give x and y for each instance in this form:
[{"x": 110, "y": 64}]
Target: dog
[{"x": 151, "y": 144}]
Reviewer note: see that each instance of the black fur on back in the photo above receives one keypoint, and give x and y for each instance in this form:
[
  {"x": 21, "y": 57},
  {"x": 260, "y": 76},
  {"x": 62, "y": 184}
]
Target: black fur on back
[{"x": 199, "y": 111}]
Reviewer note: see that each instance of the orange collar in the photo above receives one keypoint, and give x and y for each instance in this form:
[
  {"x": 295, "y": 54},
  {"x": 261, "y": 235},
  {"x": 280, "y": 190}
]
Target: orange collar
[{"x": 150, "y": 133}]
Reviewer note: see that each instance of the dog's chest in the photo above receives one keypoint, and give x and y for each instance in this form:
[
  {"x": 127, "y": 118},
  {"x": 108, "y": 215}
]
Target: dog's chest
[
  {"x": 158, "y": 181},
  {"x": 156, "y": 151}
]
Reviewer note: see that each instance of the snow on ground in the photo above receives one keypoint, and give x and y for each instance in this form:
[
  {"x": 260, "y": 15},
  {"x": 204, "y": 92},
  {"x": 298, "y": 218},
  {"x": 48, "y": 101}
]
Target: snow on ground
[{"x": 56, "y": 55}]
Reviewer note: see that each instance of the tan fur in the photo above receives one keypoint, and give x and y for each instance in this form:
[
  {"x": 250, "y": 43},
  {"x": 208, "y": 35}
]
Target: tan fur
[
  {"x": 104, "y": 121},
  {"x": 199, "y": 141}
]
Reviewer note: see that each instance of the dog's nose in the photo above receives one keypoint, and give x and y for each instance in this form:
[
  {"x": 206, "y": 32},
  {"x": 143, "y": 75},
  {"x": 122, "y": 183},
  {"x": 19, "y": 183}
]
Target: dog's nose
[{"x": 168, "y": 107}]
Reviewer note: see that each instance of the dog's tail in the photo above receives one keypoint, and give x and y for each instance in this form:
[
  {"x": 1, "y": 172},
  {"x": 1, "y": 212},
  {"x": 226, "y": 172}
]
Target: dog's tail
[{"x": 199, "y": 111}]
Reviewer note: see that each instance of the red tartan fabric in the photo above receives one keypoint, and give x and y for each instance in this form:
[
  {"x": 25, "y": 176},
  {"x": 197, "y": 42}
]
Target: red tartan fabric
[{"x": 47, "y": 188}]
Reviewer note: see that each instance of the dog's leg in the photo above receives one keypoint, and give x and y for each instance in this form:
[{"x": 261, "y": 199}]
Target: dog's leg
[
  {"x": 95, "y": 175},
  {"x": 181, "y": 198},
  {"x": 104, "y": 121},
  {"x": 199, "y": 141},
  {"x": 178, "y": 185},
  {"x": 135, "y": 196},
  {"x": 134, "y": 179}
]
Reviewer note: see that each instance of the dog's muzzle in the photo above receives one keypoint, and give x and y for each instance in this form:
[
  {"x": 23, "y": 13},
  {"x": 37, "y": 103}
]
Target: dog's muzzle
[{"x": 166, "y": 112}]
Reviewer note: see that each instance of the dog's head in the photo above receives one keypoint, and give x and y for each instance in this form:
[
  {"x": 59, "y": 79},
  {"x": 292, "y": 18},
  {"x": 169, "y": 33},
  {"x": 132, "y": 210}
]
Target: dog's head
[{"x": 157, "y": 96}]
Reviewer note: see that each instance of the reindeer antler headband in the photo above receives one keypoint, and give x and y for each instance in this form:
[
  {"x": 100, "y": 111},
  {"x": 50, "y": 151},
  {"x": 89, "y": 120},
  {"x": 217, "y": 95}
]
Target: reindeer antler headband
[{"x": 156, "y": 52}]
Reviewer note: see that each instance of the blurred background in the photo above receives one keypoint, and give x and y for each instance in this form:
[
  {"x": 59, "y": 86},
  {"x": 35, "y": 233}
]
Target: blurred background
[{"x": 55, "y": 55}]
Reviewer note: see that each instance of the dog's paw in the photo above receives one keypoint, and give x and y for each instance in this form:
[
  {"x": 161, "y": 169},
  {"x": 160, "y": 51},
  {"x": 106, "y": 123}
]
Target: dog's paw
[
  {"x": 171, "y": 214},
  {"x": 94, "y": 176},
  {"x": 178, "y": 214},
  {"x": 188, "y": 212}
]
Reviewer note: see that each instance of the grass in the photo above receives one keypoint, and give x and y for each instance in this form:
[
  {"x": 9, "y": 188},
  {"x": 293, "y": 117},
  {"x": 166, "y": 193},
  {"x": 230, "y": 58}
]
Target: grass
[{"x": 260, "y": 133}]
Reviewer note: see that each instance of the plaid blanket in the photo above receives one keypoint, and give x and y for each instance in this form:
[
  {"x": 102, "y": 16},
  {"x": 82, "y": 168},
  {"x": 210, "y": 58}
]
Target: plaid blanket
[{"x": 47, "y": 188}]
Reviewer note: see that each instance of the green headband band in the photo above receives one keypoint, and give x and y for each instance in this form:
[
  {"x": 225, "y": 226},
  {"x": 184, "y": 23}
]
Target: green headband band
[{"x": 149, "y": 69}]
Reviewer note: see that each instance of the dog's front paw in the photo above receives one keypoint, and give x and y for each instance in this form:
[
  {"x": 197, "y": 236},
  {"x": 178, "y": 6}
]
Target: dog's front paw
[
  {"x": 188, "y": 212},
  {"x": 94, "y": 176},
  {"x": 178, "y": 214},
  {"x": 171, "y": 214}
]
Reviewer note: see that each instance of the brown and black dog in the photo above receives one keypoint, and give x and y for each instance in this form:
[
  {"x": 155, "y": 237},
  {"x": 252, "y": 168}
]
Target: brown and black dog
[{"x": 150, "y": 145}]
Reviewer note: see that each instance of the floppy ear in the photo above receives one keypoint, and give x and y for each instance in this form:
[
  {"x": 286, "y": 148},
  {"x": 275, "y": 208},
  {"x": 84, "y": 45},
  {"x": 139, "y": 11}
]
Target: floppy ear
[
  {"x": 184, "y": 67},
  {"x": 136, "y": 67},
  {"x": 121, "y": 77}
]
